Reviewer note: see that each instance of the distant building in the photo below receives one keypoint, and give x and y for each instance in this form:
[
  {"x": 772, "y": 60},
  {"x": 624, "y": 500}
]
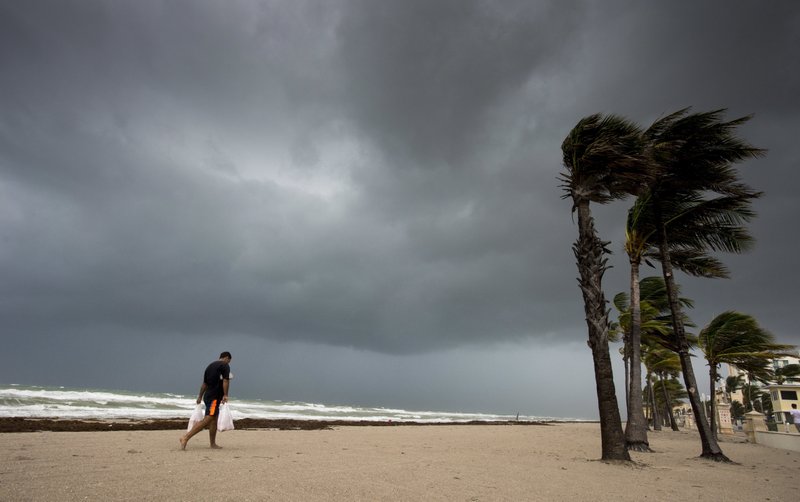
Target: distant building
[{"x": 783, "y": 397}]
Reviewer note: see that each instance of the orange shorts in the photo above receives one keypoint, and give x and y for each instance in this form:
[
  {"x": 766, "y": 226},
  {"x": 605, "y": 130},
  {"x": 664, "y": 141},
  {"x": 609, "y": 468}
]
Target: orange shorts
[{"x": 212, "y": 407}]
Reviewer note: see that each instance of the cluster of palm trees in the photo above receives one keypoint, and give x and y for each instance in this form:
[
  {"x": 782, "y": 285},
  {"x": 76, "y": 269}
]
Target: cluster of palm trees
[
  {"x": 737, "y": 339},
  {"x": 657, "y": 354},
  {"x": 690, "y": 203},
  {"x": 731, "y": 337}
]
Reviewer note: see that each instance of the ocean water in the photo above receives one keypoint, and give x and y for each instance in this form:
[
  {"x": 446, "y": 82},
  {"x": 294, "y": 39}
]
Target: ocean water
[{"x": 62, "y": 402}]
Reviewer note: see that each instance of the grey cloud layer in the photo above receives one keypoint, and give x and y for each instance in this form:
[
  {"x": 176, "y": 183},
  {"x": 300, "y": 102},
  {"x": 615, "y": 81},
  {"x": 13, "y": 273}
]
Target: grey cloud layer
[{"x": 349, "y": 173}]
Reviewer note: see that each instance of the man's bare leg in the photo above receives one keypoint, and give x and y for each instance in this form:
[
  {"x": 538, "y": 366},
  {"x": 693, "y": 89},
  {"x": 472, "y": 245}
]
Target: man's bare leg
[
  {"x": 212, "y": 433},
  {"x": 197, "y": 428}
]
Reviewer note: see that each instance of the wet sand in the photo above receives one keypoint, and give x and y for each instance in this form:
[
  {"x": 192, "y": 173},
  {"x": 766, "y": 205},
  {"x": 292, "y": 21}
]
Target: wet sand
[
  {"x": 445, "y": 462},
  {"x": 21, "y": 424}
]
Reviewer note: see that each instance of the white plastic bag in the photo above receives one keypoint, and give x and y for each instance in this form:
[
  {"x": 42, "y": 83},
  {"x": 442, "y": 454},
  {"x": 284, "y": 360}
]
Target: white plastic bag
[
  {"x": 225, "y": 420},
  {"x": 197, "y": 416}
]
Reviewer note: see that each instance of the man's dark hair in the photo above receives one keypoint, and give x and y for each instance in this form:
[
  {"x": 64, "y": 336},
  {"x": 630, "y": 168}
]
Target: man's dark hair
[{"x": 225, "y": 354}]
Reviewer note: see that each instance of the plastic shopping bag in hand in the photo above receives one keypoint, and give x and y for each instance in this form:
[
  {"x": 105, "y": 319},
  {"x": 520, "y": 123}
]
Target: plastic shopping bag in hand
[
  {"x": 225, "y": 420},
  {"x": 197, "y": 416}
]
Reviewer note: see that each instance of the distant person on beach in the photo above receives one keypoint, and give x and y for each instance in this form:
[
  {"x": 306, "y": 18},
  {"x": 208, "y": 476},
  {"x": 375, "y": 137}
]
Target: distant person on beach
[
  {"x": 795, "y": 413},
  {"x": 213, "y": 392}
]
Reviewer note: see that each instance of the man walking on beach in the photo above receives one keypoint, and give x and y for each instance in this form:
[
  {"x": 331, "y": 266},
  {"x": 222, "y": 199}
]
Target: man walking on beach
[
  {"x": 214, "y": 392},
  {"x": 795, "y": 413}
]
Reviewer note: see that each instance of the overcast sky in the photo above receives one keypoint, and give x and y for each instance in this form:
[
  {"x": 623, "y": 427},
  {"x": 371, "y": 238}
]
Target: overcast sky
[{"x": 358, "y": 199}]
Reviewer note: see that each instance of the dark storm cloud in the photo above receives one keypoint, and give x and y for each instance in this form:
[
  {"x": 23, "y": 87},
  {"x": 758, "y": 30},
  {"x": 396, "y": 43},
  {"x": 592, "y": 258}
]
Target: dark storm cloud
[
  {"x": 423, "y": 76},
  {"x": 125, "y": 117},
  {"x": 374, "y": 176},
  {"x": 729, "y": 54}
]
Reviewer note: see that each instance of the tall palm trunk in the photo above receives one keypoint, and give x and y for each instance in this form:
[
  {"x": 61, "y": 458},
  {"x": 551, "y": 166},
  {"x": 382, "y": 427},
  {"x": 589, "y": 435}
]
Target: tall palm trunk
[
  {"x": 750, "y": 393},
  {"x": 589, "y": 250},
  {"x": 653, "y": 406},
  {"x": 710, "y": 446},
  {"x": 636, "y": 427},
  {"x": 668, "y": 406},
  {"x": 626, "y": 361},
  {"x": 712, "y": 375}
]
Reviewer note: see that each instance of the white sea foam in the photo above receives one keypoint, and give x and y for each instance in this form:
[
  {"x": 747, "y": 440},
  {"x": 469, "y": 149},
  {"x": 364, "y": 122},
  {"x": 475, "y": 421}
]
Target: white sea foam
[{"x": 60, "y": 402}]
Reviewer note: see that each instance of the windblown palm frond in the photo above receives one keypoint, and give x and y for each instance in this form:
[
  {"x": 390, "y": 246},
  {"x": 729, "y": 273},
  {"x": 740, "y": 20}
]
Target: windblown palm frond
[
  {"x": 602, "y": 154},
  {"x": 733, "y": 383},
  {"x": 788, "y": 372},
  {"x": 697, "y": 151},
  {"x": 736, "y": 338},
  {"x": 695, "y": 226}
]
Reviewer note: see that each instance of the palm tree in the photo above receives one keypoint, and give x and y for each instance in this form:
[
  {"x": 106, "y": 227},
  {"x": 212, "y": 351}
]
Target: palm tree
[
  {"x": 758, "y": 371},
  {"x": 732, "y": 384},
  {"x": 601, "y": 156},
  {"x": 671, "y": 395},
  {"x": 693, "y": 156},
  {"x": 657, "y": 319},
  {"x": 664, "y": 364},
  {"x": 657, "y": 347},
  {"x": 766, "y": 403},
  {"x": 751, "y": 392},
  {"x": 651, "y": 397},
  {"x": 641, "y": 244},
  {"x": 735, "y": 338},
  {"x": 646, "y": 320},
  {"x": 789, "y": 372},
  {"x": 737, "y": 410},
  {"x": 635, "y": 246}
]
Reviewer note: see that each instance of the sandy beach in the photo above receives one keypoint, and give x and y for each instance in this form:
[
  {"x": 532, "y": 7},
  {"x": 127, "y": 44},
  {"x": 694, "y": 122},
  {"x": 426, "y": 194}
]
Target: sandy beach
[{"x": 458, "y": 462}]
